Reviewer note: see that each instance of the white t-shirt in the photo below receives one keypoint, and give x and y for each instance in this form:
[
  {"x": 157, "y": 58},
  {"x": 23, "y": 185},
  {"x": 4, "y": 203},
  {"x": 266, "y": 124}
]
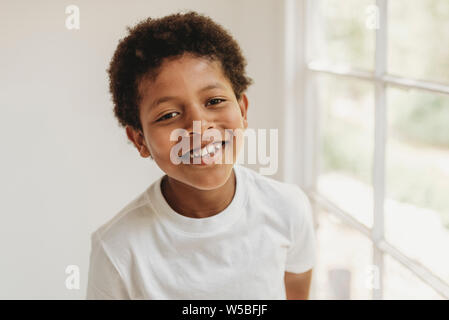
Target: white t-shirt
[{"x": 148, "y": 251}]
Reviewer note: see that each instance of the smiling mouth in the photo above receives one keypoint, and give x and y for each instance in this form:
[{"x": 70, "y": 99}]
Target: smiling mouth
[{"x": 207, "y": 150}]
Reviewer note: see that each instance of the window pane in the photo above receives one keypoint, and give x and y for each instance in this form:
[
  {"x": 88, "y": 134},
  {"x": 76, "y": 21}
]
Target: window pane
[
  {"x": 346, "y": 147},
  {"x": 339, "y": 35},
  {"x": 400, "y": 283},
  {"x": 417, "y": 177},
  {"x": 418, "y": 37},
  {"x": 343, "y": 261}
]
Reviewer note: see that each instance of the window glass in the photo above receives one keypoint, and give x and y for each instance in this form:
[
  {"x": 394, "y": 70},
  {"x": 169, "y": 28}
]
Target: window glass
[
  {"x": 344, "y": 258},
  {"x": 339, "y": 33},
  {"x": 402, "y": 284},
  {"x": 417, "y": 177},
  {"x": 418, "y": 38},
  {"x": 346, "y": 144}
]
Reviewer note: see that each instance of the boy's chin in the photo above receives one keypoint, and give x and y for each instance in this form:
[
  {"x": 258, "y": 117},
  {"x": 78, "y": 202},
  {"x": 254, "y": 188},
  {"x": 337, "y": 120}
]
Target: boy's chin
[{"x": 207, "y": 178}]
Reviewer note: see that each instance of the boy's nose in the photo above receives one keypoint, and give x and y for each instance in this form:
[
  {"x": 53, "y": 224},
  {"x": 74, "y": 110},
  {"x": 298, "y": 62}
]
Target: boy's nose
[
  {"x": 196, "y": 130},
  {"x": 198, "y": 121},
  {"x": 199, "y": 126}
]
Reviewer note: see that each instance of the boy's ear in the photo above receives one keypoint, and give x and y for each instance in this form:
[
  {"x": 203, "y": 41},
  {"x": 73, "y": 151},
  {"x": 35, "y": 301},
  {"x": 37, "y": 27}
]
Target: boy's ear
[
  {"x": 243, "y": 103},
  {"x": 137, "y": 138}
]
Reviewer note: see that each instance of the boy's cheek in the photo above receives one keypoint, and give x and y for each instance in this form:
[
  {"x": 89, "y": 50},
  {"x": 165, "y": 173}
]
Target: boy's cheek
[
  {"x": 160, "y": 145},
  {"x": 163, "y": 151},
  {"x": 232, "y": 120}
]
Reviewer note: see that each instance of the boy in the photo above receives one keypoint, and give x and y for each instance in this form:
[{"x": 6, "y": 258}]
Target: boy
[{"x": 205, "y": 230}]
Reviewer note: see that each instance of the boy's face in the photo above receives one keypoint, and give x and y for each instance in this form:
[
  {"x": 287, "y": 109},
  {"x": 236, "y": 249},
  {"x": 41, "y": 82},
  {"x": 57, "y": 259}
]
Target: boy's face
[{"x": 182, "y": 79}]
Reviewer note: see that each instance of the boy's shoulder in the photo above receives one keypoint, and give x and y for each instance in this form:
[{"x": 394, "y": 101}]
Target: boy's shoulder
[
  {"x": 269, "y": 188},
  {"x": 126, "y": 220},
  {"x": 286, "y": 202}
]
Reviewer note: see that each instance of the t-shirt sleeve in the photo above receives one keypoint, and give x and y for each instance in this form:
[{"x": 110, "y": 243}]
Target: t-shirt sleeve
[
  {"x": 301, "y": 253},
  {"x": 104, "y": 280}
]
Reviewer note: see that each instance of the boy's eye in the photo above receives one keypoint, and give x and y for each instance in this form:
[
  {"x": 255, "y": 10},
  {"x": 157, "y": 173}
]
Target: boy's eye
[
  {"x": 216, "y": 100},
  {"x": 167, "y": 116}
]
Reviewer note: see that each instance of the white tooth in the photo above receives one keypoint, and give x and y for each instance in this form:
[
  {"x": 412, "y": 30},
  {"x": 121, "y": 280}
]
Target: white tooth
[
  {"x": 197, "y": 154},
  {"x": 203, "y": 152},
  {"x": 210, "y": 148},
  {"x": 218, "y": 146}
]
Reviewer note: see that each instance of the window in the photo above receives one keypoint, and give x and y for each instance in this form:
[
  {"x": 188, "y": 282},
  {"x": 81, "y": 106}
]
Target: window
[{"x": 376, "y": 79}]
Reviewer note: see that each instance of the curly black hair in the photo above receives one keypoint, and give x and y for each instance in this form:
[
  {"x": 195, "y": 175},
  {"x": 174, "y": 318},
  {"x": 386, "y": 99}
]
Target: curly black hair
[{"x": 141, "y": 53}]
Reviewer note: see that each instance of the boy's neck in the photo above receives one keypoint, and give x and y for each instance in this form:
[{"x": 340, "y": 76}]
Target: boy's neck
[{"x": 194, "y": 203}]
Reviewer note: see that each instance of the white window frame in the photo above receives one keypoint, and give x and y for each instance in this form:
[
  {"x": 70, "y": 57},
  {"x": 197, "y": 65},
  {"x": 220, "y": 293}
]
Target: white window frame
[{"x": 301, "y": 119}]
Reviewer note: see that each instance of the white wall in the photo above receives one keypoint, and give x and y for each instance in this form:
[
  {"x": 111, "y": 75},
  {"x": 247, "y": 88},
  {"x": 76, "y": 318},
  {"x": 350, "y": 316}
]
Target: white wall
[{"x": 66, "y": 166}]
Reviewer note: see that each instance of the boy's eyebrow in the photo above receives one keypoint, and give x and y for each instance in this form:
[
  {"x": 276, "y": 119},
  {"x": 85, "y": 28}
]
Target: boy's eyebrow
[
  {"x": 212, "y": 86},
  {"x": 168, "y": 98}
]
